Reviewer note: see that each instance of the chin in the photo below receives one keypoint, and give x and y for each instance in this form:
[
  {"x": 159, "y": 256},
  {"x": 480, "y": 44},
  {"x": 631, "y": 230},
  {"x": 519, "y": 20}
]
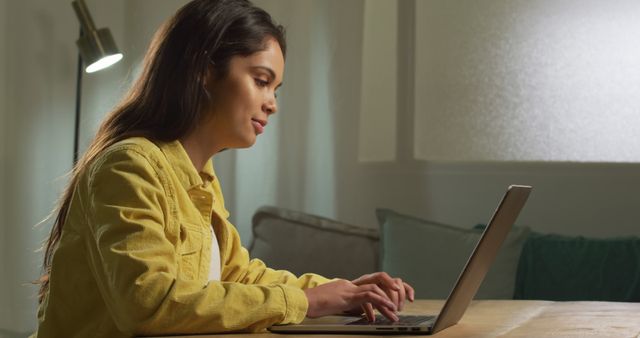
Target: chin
[
  {"x": 247, "y": 142},
  {"x": 248, "y": 145}
]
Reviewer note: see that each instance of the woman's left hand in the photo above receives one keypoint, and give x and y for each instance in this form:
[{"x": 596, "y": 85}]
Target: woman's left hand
[{"x": 397, "y": 290}]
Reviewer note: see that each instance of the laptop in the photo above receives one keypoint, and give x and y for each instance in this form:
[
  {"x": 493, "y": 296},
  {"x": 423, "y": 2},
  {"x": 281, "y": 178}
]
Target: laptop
[{"x": 461, "y": 295}]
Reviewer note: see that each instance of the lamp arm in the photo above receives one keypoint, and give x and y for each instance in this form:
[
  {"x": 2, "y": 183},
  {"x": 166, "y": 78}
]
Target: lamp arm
[
  {"x": 76, "y": 131},
  {"x": 82, "y": 12}
]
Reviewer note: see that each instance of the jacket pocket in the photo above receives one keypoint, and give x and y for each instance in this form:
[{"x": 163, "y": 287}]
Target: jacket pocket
[{"x": 190, "y": 250}]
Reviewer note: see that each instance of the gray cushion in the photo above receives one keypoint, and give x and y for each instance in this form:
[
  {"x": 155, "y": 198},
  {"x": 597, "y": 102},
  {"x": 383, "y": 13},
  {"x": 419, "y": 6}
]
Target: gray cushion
[
  {"x": 301, "y": 243},
  {"x": 430, "y": 256}
]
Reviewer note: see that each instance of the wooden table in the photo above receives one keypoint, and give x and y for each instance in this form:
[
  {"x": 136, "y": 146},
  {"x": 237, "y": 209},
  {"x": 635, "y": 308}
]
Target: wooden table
[{"x": 515, "y": 318}]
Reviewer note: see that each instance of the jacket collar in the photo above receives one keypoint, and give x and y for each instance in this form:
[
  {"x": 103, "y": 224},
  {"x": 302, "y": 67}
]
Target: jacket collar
[{"x": 187, "y": 174}]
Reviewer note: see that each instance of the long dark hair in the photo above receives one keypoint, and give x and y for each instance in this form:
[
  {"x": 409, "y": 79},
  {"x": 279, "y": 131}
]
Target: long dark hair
[{"x": 168, "y": 99}]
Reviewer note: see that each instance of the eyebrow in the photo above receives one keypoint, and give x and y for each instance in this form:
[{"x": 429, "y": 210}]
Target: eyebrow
[{"x": 270, "y": 71}]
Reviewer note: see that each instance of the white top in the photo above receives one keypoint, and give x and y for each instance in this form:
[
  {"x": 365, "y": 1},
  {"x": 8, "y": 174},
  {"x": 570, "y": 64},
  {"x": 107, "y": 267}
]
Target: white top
[{"x": 214, "y": 266}]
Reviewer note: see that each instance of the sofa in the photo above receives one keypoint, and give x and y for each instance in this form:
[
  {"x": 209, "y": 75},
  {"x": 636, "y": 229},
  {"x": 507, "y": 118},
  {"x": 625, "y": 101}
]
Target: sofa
[{"x": 430, "y": 256}]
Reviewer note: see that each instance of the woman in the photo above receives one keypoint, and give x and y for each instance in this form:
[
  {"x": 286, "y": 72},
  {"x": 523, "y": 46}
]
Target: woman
[{"x": 141, "y": 244}]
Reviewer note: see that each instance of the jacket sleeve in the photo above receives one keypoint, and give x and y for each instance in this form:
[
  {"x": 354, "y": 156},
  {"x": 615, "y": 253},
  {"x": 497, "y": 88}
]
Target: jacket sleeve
[
  {"x": 136, "y": 266},
  {"x": 239, "y": 267}
]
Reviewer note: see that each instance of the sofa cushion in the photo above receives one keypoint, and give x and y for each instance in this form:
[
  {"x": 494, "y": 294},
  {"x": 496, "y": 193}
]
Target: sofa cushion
[
  {"x": 301, "y": 243},
  {"x": 567, "y": 268},
  {"x": 430, "y": 255}
]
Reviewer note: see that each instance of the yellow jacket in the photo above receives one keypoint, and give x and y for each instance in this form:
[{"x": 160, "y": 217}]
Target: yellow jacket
[{"x": 135, "y": 250}]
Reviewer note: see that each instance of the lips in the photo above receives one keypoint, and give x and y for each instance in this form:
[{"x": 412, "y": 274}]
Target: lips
[
  {"x": 258, "y": 125},
  {"x": 263, "y": 123}
]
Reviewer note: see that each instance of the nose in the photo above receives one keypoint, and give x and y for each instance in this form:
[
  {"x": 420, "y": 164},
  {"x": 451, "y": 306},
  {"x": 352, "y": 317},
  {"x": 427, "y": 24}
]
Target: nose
[{"x": 270, "y": 106}]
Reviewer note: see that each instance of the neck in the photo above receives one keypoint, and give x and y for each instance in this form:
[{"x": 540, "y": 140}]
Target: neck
[{"x": 199, "y": 148}]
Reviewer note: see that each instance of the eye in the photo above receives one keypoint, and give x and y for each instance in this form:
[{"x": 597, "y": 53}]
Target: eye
[{"x": 261, "y": 83}]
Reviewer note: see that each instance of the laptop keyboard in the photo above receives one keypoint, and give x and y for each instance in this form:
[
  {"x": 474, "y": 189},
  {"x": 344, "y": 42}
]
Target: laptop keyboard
[{"x": 403, "y": 320}]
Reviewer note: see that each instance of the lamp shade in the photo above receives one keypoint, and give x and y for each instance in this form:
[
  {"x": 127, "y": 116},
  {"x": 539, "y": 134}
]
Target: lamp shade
[{"x": 96, "y": 46}]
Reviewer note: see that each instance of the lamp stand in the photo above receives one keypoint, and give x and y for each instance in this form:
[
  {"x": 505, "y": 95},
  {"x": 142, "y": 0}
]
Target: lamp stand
[{"x": 76, "y": 131}]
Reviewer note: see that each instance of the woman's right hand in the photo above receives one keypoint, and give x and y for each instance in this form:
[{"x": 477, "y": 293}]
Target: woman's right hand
[{"x": 342, "y": 295}]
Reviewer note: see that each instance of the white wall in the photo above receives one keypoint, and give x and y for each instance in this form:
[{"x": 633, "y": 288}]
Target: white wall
[
  {"x": 4, "y": 296},
  {"x": 542, "y": 80},
  {"x": 594, "y": 199},
  {"x": 39, "y": 76},
  {"x": 378, "y": 97}
]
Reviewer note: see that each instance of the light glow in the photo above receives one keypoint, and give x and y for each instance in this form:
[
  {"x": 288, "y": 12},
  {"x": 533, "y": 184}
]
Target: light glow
[{"x": 104, "y": 63}]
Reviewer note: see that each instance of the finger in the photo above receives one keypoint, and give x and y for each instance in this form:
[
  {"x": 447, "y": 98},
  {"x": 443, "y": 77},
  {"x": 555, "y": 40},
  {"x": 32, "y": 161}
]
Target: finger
[
  {"x": 378, "y": 301},
  {"x": 393, "y": 288},
  {"x": 378, "y": 291},
  {"x": 395, "y": 298},
  {"x": 402, "y": 295},
  {"x": 391, "y": 315},
  {"x": 380, "y": 278},
  {"x": 369, "y": 312},
  {"x": 385, "y": 281},
  {"x": 358, "y": 280},
  {"x": 364, "y": 279},
  {"x": 383, "y": 305},
  {"x": 410, "y": 292}
]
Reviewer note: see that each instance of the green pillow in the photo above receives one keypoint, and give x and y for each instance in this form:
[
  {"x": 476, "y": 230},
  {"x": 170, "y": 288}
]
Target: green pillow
[
  {"x": 575, "y": 268},
  {"x": 430, "y": 256}
]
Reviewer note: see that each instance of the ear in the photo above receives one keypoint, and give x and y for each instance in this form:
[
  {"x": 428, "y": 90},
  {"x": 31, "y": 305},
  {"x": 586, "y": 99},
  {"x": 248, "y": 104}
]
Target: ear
[
  {"x": 208, "y": 78},
  {"x": 208, "y": 75}
]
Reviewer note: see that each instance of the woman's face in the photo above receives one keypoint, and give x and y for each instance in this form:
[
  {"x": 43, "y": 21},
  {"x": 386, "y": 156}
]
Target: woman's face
[{"x": 245, "y": 98}]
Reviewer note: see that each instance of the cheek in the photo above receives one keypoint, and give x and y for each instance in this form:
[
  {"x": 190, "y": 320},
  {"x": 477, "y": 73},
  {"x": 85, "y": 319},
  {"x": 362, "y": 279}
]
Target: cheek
[
  {"x": 240, "y": 101},
  {"x": 235, "y": 104},
  {"x": 249, "y": 101}
]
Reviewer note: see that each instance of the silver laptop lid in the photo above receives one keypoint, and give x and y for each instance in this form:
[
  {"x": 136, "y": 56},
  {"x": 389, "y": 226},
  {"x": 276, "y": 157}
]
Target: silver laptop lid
[{"x": 483, "y": 256}]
